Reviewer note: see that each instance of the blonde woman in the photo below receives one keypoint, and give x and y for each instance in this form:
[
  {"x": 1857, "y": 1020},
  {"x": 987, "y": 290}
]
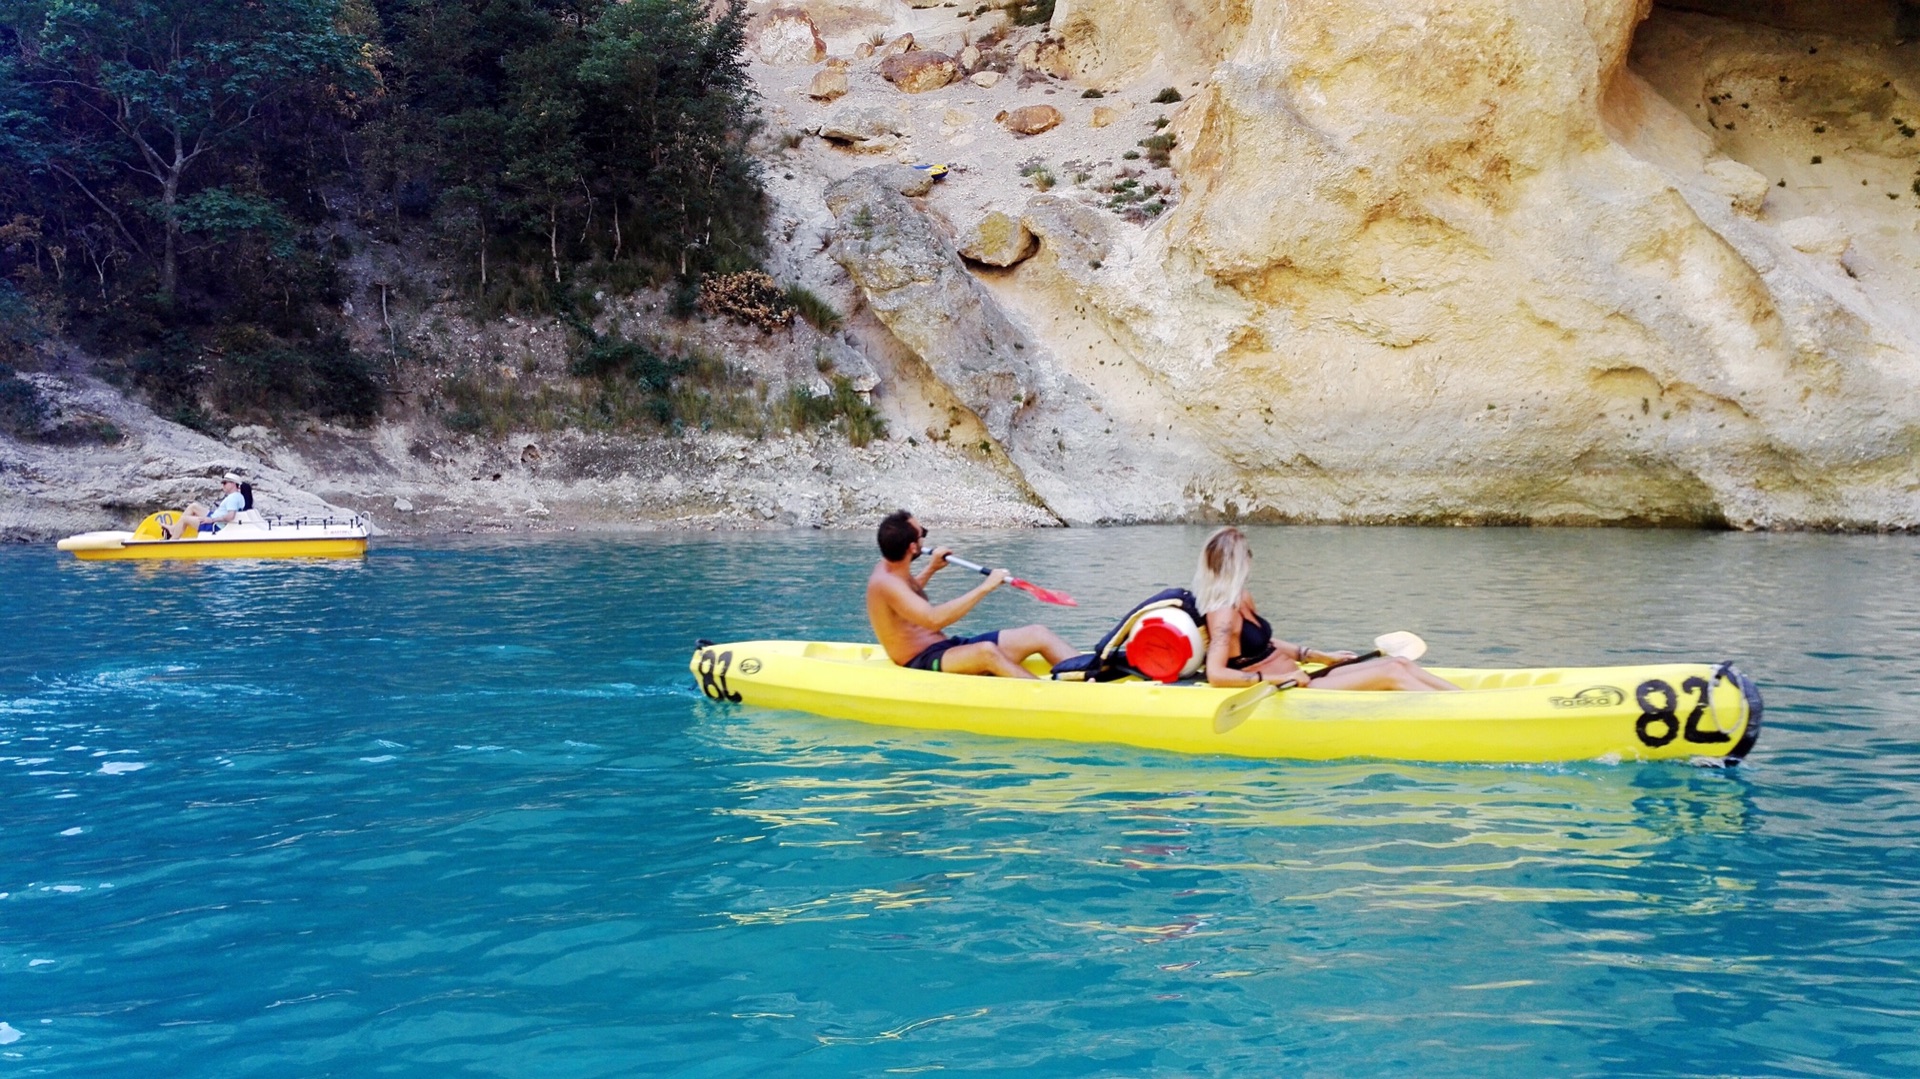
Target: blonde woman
[{"x": 1241, "y": 647}]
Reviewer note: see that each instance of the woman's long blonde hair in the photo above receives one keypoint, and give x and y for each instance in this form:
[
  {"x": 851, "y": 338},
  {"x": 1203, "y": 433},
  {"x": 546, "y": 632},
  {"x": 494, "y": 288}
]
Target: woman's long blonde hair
[{"x": 1221, "y": 577}]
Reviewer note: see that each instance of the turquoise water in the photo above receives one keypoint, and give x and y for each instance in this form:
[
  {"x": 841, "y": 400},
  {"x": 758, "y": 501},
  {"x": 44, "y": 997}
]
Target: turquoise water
[{"x": 459, "y": 811}]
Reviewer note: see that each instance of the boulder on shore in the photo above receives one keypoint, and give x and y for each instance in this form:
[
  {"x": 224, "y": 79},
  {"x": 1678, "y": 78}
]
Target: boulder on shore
[
  {"x": 860, "y": 124},
  {"x": 830, "y": 82},
  {"x": 788, "y": 36},
  {"x": 998, "y": 239},
  {"x": 1030, "y": 119},
  {"x": 917, "y": 72}
]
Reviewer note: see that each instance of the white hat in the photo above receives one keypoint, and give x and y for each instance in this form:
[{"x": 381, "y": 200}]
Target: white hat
[{"x": 232, "y": 477}]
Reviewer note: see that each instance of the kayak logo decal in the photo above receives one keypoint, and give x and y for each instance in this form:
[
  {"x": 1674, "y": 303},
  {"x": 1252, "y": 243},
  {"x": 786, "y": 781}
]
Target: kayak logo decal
[
  {"x": 1591, "y": 697},
  {"x": 750, "y": 665}
]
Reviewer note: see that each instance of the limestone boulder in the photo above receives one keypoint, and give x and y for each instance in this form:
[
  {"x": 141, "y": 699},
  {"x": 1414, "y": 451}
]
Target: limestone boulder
[
  {"x": 1827, "y": 237},
  {"x": 905, "y": 179},
  {"x": 985, "y": 80},
  {"x": 1074, "y": 233},
  {"x": 1047, "y": 56},
  {"x": 1745, "y": 187},
  {"x": 788, "y": 36},
  {"x": 1030, "y": 119},
  {"x": 919, "y": 71},
  {"x": 861, "y": 125},
  {"x": 998, "y": 239},
  {"x": 829, "y": 83},
  {"x": 901, "y": 44},
  {"x": 950, "y": 43}
]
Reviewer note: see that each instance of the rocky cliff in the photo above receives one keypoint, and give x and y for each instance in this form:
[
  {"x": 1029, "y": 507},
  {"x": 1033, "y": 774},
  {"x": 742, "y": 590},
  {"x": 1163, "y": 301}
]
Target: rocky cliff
[
  {"x": 1532, "y": 261},
  {"x": 1483, "y": 260}
]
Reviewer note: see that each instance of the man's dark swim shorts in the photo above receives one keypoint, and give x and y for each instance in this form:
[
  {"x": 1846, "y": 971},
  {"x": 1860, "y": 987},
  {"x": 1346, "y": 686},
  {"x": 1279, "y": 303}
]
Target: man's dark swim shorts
[{"x": 929, "y": 660}]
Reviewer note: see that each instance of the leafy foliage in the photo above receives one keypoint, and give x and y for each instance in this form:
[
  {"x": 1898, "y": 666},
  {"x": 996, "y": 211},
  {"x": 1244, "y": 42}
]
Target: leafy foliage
[
  {"x": 815, "y": 309},
  {"x": 1159, "y": 149},
  {"x": 166, "y": 169},
  {"x": 133, "y": 105},
  {"x": 244, "y": 372},
  {"x": 21, "y": 408},
  {"x": 583, "y": 136},
  {"x": 841, "y": 405}
]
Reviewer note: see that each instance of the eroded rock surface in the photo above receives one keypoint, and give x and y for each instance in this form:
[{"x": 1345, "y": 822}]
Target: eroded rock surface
[{"x": 1050, "y": 425}]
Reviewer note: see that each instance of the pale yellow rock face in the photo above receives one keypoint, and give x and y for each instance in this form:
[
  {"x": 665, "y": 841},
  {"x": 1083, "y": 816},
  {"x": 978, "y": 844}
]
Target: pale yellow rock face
[
  {"x": 1455, "y": 260},
  {"x": 1112, "y": 40},
  {"x": 1547, "y": 261}
]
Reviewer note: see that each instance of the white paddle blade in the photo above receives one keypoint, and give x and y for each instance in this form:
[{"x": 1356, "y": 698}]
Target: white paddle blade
[{"x": 1401, "y": 645}]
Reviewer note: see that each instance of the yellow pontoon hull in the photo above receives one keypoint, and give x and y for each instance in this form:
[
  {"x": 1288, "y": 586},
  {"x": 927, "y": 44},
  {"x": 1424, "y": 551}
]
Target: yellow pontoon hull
[
  {"x": 1685, "y": 711},
  {"x": 210, "y": 548},
  {"x": 251, "y": 537}
]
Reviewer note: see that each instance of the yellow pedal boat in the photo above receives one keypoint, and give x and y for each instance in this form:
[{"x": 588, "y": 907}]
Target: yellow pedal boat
[
  {"x": 1704, "y": 712},
  {"x": 252, "y": 535}
]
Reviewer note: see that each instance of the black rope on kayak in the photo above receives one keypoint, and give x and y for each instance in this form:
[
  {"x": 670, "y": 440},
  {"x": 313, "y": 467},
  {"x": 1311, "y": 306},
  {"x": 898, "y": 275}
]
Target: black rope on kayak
[{"x": 1755, "y": 709}]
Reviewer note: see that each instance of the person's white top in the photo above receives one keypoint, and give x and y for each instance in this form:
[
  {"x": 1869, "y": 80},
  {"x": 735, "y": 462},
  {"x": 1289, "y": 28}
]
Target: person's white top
[{"x": 229, "y": 508}]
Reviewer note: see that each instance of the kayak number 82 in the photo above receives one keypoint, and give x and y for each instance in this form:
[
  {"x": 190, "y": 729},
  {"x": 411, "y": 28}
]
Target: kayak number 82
[
  {"x": 713, "y": 670},
  {"x": 1660, "y": 720}
]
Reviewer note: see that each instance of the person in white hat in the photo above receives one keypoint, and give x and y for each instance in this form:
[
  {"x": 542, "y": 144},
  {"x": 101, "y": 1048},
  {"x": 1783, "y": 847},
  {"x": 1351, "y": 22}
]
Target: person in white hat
[{"x": 223, "y": 514}]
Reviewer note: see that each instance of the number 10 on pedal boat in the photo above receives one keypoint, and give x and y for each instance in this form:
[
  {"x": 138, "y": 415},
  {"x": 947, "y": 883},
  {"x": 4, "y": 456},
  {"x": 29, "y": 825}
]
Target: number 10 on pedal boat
[{"x": 1708, "y": 713}]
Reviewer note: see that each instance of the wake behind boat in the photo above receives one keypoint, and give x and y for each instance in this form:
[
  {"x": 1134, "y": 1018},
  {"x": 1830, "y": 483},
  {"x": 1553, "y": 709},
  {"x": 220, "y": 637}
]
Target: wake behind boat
[
  {"x": 251, "y": 535},
  {"x": 1687, "y": 711}
]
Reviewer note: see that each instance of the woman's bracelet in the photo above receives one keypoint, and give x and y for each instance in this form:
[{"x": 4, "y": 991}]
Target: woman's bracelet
[{"x": 1302, "y": 657}]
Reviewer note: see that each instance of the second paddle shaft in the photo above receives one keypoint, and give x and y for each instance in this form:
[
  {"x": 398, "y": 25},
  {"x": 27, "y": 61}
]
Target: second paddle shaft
[{"x": 1361, "y": 658}]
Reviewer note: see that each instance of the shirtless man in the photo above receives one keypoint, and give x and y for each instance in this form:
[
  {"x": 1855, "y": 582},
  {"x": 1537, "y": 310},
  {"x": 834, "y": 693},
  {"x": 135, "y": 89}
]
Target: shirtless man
[{"x": 909, "y": 625}]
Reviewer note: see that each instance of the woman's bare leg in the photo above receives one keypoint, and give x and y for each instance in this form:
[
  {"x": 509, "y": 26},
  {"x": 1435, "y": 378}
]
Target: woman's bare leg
[{"x": 1387, "y": 673}]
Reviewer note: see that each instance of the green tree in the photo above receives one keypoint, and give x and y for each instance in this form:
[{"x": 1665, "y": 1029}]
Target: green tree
[
  {"x": 673, "y": 107},
  {"x": 156, "y": 89},
  {"x": 597, "y": 130},
  {"x": 544, "y": 155}
]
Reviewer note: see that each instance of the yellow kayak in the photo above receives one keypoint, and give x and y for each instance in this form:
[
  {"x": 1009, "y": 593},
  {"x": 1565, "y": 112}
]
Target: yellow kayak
[
  {"x": 251, "y": 536},
  {"x": 1705, "y": 712}
]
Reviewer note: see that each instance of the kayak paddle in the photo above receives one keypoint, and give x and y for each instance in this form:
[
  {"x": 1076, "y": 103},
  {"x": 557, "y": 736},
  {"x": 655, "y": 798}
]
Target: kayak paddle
[
  {"x": 1235, "y": 709},
  {"x": 1044, "y": 595}
]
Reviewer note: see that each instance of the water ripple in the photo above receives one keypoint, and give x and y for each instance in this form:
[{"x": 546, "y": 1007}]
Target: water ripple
[{"x": 460, "y": 810}]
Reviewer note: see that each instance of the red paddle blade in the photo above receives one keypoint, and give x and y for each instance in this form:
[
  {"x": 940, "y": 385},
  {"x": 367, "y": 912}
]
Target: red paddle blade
[{"x": 1044, "y": 595}]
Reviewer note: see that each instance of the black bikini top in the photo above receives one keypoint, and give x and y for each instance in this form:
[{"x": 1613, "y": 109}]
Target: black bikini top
[{"x": 1256, "y": 642}]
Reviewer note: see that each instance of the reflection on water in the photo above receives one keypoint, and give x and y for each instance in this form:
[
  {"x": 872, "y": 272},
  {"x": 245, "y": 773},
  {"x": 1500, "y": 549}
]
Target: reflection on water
[
  {"x": 460, "y": 810},
  {"x": 1391, "y": 835}
]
